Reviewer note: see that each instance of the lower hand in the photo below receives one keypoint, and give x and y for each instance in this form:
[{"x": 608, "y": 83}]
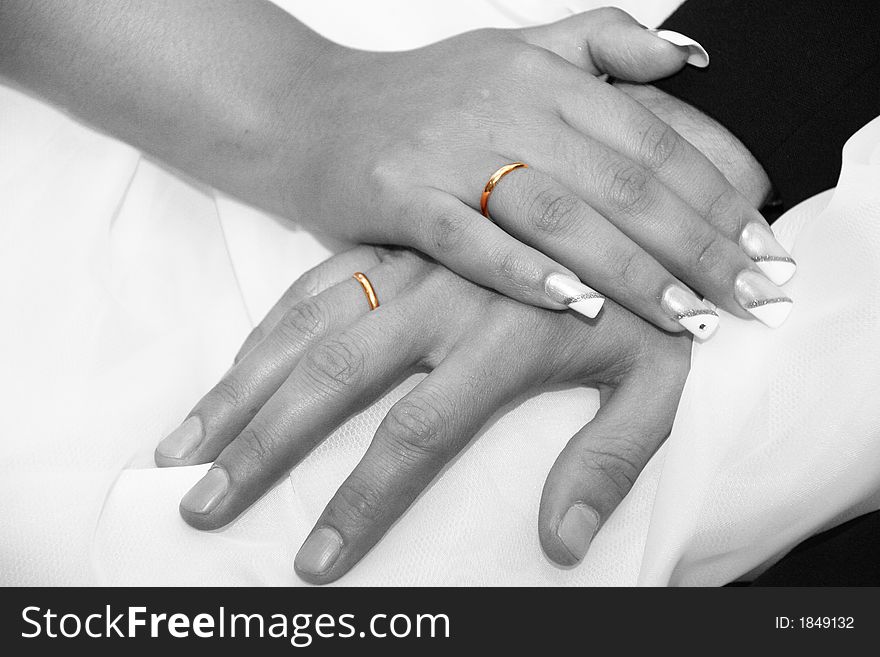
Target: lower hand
[{"x": 321, "y": 355}]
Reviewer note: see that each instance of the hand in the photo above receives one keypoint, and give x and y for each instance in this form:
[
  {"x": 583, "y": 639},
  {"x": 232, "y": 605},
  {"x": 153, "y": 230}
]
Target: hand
[
  {"x": 711, "y": 138},
  {"x": 401, "y": 145},
  {"x": 395, "y": 148},
  {"x": 320, "y": 356}
]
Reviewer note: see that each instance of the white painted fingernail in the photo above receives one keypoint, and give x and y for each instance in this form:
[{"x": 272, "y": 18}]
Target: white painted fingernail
[
  {"x": 759, "y": 243},
  {"x": 697, "y": 55},
  {"x": 574, "y": 294},
  {"x": 762, "y": 298},
  {"x": 686, "y": 308}
]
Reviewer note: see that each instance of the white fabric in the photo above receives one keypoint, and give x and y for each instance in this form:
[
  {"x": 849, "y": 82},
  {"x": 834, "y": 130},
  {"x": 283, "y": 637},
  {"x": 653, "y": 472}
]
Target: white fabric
[{"x": 127, "y": 291}]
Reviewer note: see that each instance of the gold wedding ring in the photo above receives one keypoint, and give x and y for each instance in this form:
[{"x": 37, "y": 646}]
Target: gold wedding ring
[
  {"x": 494, "y": 179},
  {"x": 370, "y": 293}
]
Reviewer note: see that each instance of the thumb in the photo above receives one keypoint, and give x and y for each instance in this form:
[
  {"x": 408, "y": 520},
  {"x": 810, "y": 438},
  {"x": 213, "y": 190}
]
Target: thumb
[
  {"x": 609, "y": 40},
  {"x": 601, "y": 462}
]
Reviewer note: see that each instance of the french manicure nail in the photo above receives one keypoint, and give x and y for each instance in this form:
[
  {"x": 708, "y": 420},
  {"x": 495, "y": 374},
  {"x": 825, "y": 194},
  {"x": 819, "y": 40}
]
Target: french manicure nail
[
  {"x": 574, "y": 294},
  {"x": 183, "y": 441},
  {"x": 683, "y": 305},
  {"x": 697, "y": 55},
  {"x": 208, "y": 492},
  {"x": 577, "y": 528},
  {"x": 762, "y": 298},
  {"x": 759, "y": 243},
  {"x": 319, "y": 552}
]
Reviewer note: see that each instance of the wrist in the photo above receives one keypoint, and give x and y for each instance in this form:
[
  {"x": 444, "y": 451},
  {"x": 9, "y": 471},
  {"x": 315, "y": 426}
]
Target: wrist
[{"x": 715, "y": 141}]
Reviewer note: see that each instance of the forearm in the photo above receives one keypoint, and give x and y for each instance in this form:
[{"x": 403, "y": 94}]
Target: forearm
[{"x": 217, "y": 89}]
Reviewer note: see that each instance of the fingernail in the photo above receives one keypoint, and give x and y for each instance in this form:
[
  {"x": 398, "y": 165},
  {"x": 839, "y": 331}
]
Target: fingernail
[
  {"x": 183, "y": 441},
  {"x": 697, "y": 55},
  {"x": 574, "y": 294},
  {"x": 762, "y": 298},
  {"x": 759, "y": 243},
  {"x": 319, "y": 552},
  {"x": 208, "y": 492},
  {"x": 686, "y": 308},
  {"x": 577, "y": 528}
]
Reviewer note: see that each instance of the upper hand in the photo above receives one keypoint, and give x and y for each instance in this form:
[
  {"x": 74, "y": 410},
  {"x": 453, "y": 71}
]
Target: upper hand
[
  {"x": 320, "y": 356},
  {"x": 400, "y": 146}
]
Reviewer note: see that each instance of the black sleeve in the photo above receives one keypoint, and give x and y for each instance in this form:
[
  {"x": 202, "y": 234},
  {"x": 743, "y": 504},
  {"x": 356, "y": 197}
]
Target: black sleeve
[{"x": 791, "y": 79}]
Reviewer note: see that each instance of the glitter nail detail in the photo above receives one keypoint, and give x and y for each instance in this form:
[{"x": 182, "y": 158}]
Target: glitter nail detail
[
  {"x": 574, "y": 294},
  {"x": 761, "y": 245},
  {"x": 696, "y": 313},
  {"x": 769, "y": 258},
  {"x": 764, "y": 300},
  {"x": 686, "y": 308},
  {"x": 757, "y": 303},
  {"x": 582, "y": 297}
]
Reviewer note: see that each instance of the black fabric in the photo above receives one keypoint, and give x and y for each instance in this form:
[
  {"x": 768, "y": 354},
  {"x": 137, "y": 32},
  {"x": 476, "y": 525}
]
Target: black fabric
[
  {"x": 848, "y": 555},
  {"x": 791, "y": 79}
]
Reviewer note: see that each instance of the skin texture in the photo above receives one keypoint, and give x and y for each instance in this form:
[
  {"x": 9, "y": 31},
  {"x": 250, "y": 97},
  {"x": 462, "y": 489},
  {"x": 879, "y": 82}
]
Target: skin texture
[
  {"x": 614, "y": 196},
  {"x": 320, "y": 356},
  {"x": 268, "y": 411},
  {"x": 395, "y": 148}
]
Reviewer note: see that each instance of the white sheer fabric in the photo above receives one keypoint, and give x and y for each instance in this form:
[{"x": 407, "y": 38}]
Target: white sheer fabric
[{"x": 128, "y": 290}]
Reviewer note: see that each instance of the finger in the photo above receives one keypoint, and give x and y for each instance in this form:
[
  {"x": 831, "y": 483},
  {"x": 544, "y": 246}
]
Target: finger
[
  {"x": 628, "y": 128},
  {"x": 313, "y": 282},
  {"x": 336, "y": 378},
  {"x": 609, "y": 40},
  {"x": 421, "y": 433},
  {"x": 550, "y": 217},
  {"x": 231, "y": 404},
  {"x": 647, "y": 211},
  {"x": 602, "y": 461},
  {"x": 472, "y": 246}
]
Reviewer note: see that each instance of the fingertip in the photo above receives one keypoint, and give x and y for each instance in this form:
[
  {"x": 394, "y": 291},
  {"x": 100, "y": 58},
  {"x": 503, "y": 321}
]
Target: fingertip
[
  {"x": 200, "y": 504},
  {"x": 317, "y": 557},
  {"x": 567, "y": 537},
  {"x": 693, "y": 52},
  {"x": 178, "y": 446}
]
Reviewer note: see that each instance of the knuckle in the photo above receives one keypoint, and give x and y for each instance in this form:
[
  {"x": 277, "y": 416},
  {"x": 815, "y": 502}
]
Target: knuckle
[
  {"x": 659, "y": 142},
  {"x": 710, "y": 253},
  {"x": 722, "y": 210},
  {"x": 254, "y": 445},
  {"x": 416, "y": 424},
  {"x": 517, "y": 273},
  {"x": 359, "y": 501},
  {"x": 447, "y": 232},
  {"x": 334, "y": 364},
  {"x": 609, "y": 14},
  {"x": 554, "y": 213},
  {"x": 619, "y": 468},
  {"x": 628, "y": 188},
  {"x": 528, "y": 61},
  {"x": 305, "y": 321},
  {"x": 308, "y": 285},
  {"x": 631, "y": 268},
  {"x": 230, "y": 391},
  {"x": 384, "y": 172}
]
